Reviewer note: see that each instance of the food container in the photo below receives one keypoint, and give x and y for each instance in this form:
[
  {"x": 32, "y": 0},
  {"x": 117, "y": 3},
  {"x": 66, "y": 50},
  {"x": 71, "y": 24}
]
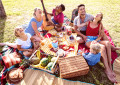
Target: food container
[
  {"x": 72, "y": 66},
  {"x": 47, "y": 63}
]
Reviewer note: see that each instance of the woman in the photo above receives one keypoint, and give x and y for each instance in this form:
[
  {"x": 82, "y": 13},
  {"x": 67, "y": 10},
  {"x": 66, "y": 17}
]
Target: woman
[
  {"x": 94, "y": 33},
  {"x": 35, "y": 23},
  {"x": 23, "y": 42}
]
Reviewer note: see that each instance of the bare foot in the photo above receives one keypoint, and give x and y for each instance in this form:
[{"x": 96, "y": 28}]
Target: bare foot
[
  {"x": 114, "y": 74},
  {"x": 111, "y": 77}
]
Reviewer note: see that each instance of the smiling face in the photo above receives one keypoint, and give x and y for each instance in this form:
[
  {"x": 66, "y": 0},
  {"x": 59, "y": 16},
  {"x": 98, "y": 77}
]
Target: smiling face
[
  {"x": 38, "y": 12},
  {"x": 81, "y": 10},
  {"x": 19, "y": 31},
  {"x": 58, "y": 8},
  {"x": 98, "y": 17}
]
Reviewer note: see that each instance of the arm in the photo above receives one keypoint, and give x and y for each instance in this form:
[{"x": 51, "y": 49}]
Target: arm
[
  {"x": 101, "y": 32},
  {"x": 85, "y": 55},
  {"x": 50, "y": 14},
  {"x": 83, "y": 24},
  {"x": 76, "y": 26},
  {"x": 47, "y": 13},
  {"x": 79, "y": 33},
  {"x": 58, "y": 25},
  {"x": 34, "y": 26},
  {"x": 21, "y": 49},
  {"x": 104, "y": 35}
]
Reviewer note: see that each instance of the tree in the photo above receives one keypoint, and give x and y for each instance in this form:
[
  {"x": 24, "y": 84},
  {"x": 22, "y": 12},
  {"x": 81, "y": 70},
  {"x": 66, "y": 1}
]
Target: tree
[{"x": 2, "y": 11}]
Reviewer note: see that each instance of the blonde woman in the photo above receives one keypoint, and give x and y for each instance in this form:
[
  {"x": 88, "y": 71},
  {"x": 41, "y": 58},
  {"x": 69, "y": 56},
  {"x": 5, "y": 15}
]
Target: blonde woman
[{"x": 35, "y": 23}]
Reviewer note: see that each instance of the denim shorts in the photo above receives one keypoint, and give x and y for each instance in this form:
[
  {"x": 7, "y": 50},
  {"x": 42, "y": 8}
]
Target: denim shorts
[
  {"x": 53, "y": 20},
  {"x": 21, "y": 52},
  {"x": 91, "y": 38}
]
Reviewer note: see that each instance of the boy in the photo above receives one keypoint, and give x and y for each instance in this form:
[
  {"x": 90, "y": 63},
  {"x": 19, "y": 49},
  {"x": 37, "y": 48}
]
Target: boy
[{"x": 93, "y": 57}]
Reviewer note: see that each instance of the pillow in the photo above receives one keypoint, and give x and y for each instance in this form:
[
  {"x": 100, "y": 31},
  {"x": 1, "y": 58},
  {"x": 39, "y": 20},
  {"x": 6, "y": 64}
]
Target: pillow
[{"x": 11, "y": 59}]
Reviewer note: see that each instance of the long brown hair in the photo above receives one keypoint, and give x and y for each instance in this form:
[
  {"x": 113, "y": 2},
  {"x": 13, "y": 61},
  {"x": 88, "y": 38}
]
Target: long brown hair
[{"x": 101, "y": 18}]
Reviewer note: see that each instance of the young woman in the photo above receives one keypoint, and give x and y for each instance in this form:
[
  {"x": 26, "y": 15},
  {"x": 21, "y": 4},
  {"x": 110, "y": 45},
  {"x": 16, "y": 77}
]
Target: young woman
[
  {"x": 94, "y": 33},
  {"x": 35, "y": 23},
  {"x": 23, "y": 42}
]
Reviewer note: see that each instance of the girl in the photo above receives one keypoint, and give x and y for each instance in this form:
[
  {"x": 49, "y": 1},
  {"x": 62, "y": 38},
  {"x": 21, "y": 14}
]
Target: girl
[
  {"x": 23, "y": 42},
  {"x": 94, "y": 33}
]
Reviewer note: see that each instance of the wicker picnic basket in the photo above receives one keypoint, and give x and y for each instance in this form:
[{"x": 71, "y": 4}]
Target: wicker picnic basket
[{"x": 73, "y": 66}]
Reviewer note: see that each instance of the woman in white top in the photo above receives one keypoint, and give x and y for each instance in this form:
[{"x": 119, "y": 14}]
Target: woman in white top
[{"x": 24, "y": 44}]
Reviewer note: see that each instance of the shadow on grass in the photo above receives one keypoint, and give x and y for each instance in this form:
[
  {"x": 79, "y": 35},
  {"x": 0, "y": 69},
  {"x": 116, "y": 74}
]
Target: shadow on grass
[
  {"x": 96, "y": 76},
  {"x": 2, "y": 26}
]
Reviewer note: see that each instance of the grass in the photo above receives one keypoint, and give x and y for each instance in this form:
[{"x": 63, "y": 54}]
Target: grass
[{"x": 20, "y": 12}]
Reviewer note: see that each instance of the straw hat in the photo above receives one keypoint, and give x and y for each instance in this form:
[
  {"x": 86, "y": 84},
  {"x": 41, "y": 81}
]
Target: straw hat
[{"x": 14, "y": 79}]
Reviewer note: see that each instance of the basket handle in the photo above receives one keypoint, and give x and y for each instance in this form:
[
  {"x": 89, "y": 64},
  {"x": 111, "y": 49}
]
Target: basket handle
[{"x": 54, "y": 63}]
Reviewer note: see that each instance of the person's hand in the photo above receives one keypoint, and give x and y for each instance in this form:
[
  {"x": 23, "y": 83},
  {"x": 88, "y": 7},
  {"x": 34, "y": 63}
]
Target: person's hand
[
  {"x": 50, "y": 23},
  {"x": 85, "y": 38},
  {"x": 83, "y": 50},
  {"x": 86, "y": 23},
  {"x": 94, "y": 42},
  {"x": 45, "y": 11},
  {"x": 30, "y": 50},
  {"x": 42, "y": 38}
]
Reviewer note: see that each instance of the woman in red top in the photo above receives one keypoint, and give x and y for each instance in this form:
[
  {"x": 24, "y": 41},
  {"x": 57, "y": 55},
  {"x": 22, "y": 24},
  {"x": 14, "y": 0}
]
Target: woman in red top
[{"x": 94, "y": 33}]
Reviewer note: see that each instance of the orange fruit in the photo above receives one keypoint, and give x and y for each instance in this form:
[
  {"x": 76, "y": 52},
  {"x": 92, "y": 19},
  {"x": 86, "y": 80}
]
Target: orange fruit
[
  {"x": 42, "y": 43},
  {"x": 50, "y": 45},
  {"x": 71, "y": 44}
]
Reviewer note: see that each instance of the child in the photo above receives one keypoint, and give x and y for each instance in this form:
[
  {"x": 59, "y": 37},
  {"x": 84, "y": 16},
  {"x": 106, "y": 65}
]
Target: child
[
  {"x": 93, "y": 57},
  {"x": 23, "y": 43}
]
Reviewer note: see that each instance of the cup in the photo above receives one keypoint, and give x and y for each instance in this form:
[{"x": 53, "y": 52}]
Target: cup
[
  {"x": 69, "y": 30},
  {"x": 55, "y": 45},
  {"x": 60, "y": 53}
]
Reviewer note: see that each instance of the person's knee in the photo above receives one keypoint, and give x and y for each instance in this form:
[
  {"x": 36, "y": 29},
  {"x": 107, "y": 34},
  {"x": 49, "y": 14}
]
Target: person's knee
[
  {"x": 107, "y": 44},
  {"x": 103, "y": 48},
  {"x": 80, "y": 40}
]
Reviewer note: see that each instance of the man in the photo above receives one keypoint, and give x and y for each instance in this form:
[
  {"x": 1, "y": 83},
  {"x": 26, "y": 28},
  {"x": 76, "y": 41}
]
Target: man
[
  {"x": 78, "y": 22},
  {"x": 80, "y": 28},
  {"x": 58, "y": 17}
]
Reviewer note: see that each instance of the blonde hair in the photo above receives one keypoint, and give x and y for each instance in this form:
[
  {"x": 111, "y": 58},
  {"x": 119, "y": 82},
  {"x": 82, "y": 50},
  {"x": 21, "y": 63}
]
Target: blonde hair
[
  {"x": 15, "y": 33},
  {"x": 35, "y": 11},
  {"x": 95, "y": 47}
]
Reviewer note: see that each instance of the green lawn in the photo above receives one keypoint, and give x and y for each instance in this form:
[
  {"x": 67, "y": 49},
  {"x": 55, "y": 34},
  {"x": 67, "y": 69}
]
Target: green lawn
[{"x": 20, "y": 12}]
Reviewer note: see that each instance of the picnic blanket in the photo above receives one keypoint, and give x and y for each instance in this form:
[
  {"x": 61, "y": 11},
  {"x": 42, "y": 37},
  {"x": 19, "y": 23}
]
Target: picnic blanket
[
  {"x": 81, "y": 46},
  {"x": 37, "y": 77}
]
